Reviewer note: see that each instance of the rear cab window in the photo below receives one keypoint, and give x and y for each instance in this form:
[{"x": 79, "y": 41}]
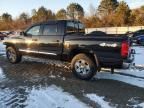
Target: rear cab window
[{"x": 74, "y": 27}]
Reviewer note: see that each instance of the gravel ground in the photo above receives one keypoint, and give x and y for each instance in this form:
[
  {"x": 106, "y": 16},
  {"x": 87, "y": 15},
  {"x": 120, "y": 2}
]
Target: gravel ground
[{"x": 31, "y": 74}]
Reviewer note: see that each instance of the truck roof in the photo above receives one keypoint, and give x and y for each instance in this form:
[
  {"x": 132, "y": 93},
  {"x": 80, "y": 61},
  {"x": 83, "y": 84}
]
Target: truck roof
[{"x": 56, "y": 21}]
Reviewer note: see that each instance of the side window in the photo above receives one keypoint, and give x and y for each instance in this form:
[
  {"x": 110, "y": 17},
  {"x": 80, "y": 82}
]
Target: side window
[
  {"x": 50, "y": 30},
  {"x": 34, "y": 31}
]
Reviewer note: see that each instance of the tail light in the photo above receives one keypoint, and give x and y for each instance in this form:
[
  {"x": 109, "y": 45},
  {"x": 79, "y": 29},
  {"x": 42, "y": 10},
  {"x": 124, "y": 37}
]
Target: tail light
[{"x": 124, "y": 49}]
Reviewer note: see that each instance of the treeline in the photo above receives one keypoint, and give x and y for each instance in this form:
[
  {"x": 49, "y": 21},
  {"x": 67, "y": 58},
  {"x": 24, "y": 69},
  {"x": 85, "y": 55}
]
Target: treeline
[{"x": 109, "y": 13}]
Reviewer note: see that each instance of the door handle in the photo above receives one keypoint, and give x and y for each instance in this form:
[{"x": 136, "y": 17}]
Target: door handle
[
  {"x": 34, "y": 40},
  {"x": 56, "y": 41}
]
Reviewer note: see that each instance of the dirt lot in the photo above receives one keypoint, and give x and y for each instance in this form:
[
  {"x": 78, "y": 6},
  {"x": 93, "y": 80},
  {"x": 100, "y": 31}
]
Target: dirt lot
[{"x": 29, "y": 74}]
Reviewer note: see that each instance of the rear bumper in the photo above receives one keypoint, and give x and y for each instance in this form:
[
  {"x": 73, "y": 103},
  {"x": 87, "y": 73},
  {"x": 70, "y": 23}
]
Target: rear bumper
[{"x": 130, "y": 61}]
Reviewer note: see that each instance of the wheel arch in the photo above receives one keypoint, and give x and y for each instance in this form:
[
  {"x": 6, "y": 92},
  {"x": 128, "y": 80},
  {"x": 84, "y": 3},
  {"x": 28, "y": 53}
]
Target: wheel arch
[
  {"x": 89, "y": 53},
  {"x": 10, "y": 45}
]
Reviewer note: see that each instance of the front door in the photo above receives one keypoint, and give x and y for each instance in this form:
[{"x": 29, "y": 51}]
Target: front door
[{"x": 31, "y": 40}]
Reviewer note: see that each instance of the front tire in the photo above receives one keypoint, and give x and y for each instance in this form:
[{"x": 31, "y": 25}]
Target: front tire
[
  {"x": 83, "y": 67},
  {"x": 13, "y": 55}
]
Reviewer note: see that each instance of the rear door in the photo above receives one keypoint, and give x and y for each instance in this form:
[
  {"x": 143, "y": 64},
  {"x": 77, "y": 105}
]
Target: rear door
[{"x": 51, "y": 40}]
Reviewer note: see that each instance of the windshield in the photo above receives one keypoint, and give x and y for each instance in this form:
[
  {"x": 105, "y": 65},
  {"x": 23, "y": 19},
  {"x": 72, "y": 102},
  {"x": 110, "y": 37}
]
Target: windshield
[{"x": 74, "y": 27}]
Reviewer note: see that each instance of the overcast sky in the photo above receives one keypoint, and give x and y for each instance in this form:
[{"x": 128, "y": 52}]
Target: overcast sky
[{"x": 15, "y": 7}]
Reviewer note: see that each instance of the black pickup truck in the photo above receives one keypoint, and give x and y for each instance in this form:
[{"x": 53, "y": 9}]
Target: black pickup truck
[{"x": 66, "y": 40}]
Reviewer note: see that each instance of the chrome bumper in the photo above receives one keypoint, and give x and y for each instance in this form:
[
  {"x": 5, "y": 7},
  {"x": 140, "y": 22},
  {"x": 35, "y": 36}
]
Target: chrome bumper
[{"x": 130, "y": 61}]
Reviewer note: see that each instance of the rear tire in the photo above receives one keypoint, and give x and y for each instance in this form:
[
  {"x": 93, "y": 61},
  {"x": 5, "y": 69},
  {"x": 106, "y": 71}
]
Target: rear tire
[
  {"x": 83, "y": 67},
  {"x": 13, "y": 55}
]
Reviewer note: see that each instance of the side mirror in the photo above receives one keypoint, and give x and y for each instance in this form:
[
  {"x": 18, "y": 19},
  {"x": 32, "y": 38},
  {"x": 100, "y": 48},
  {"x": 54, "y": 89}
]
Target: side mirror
[{"x": 22, "y": 33}]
